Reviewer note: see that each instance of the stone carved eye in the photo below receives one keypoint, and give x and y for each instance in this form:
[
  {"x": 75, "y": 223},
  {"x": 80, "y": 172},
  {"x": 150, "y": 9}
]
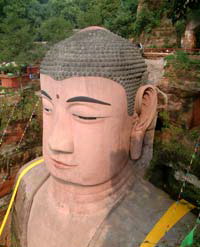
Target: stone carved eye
[
  {"x": 47, "y": 110},
  {"x": 87, "y": 118},
  {"x": 84, "y": 117}
]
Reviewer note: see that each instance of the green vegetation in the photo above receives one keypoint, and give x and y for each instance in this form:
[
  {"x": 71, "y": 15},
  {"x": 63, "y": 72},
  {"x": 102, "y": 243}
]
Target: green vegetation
[
  {"x": 26, "y": 24},
  {"x": 180, "y": 67},
  {"x": 16, "y": 111},
  {"x": 183, "y": 9},
  {"x": 28, "y": 27},
  {"x": 146, "y": 21},
  {"x": 181, "y": 60},
  {"x": 21, "y": 111},
  {"x": 174, "y": 153},
  {"x": 183, "y": 13},
  {"x": 12, "y": 68},
  {"x": 174, "y": 149},
  {"x": 180, "y": 28},
  {"x": 55, "y": 29}
]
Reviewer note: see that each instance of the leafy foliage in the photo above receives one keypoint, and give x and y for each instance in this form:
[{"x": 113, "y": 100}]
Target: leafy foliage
[
  {"x": 180, "y": 60},
  {"x": 22, "y": 111},
  {"x": 55, "y": 29},
  {"x": 180, "y": 64},
  {"x": 24, "y": 22},
  {"x": 120, "y": 18},
  {"x": 173, "y": 153},
  {"x": 181, "y": 8},
  {"x": 180, "y": 28},
  {"x": 146, "y": 20},
  {"x": 12, "y": 68},
  {"x": 15, "y": 39}
]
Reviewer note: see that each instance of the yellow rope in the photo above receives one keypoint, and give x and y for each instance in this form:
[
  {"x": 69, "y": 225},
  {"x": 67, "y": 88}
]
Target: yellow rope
[
  {"x": 176, "y": 211},
  {"x": 15, "y": 191},
  {"x": 169, "y": 219}
]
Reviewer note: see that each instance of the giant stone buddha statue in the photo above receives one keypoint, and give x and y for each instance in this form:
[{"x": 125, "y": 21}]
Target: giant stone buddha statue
[{"x": 98, "y": 124}]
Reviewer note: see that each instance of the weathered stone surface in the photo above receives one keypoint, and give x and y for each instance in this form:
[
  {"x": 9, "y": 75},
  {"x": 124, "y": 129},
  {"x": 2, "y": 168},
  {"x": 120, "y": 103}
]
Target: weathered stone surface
[
  {"x": 162, "y": 36},
  {"x": 178, "y": 131},
  {"x": 122, "y": 225},
  {"x": 195, "y": 118},
  {"x": 189, "y": 38},
  {"x": 183, "y": 102},
  {"x": 190, "y": 178},
  {"x": 155, "y": 70}
]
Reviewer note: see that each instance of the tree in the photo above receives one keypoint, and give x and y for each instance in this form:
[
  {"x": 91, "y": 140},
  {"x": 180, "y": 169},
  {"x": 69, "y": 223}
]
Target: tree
[
  {"x": 55, "y": 29},
  {"x": 17, "y": 31},
  {"x": 25, "y": 21},
  {"x": 37, "y": 13},
  {"x": 181, "y": 8},
  {"x": 17, "y": 7},
  {"x": 91, "y": 17},
  {"x": 43, "y": 1},
  {"x": 119, "y": 16},
  {"x": 187, "y": 12},
  {"x": 16, "y": 40},
  {"x": 3, "y": 3},
  {"x": 146, "y": 21}
]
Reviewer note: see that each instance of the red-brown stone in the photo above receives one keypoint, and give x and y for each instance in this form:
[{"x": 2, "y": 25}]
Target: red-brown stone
[
  {"x": 195, "y": 121},
  {"x": 7, "y": 186}
]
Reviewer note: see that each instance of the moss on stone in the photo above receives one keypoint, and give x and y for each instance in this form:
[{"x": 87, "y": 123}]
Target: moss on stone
[{"x": 173, "y": 151}]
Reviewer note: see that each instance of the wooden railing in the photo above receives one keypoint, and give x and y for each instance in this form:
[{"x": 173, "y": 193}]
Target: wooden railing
[{"x": 170, "y": 50}]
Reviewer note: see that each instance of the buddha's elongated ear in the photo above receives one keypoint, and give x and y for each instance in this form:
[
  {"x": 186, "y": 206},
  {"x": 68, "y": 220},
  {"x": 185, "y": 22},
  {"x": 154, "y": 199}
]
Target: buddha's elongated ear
[{"x": 145, "y": 113}]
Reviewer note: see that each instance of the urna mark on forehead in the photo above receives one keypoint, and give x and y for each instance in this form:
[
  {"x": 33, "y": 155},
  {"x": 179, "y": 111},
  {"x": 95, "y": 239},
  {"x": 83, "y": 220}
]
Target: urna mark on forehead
[
  {"x": 97, "y": 52},
  {"x": 97, "y": 90},
  {"x": 77, "y": 99}
]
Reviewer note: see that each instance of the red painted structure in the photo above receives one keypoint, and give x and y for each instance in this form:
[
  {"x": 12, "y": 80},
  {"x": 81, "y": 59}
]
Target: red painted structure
[
  {"x": 33, "y": 70},
  {"x": 13, "y": 81}
]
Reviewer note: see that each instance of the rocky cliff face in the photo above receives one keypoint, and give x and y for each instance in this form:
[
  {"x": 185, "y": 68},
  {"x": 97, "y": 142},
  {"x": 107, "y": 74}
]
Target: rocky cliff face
[
  {"x": 178, "y": 129},
  {"x": 189, "y": 39},
  {"x": 162, "y": 36},
  {"x": 165, "y": 34},
  {"x": 183, "y": 103}
]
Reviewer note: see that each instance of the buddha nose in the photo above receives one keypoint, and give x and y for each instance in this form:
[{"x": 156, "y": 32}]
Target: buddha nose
[{"x": 61, "y": 139}]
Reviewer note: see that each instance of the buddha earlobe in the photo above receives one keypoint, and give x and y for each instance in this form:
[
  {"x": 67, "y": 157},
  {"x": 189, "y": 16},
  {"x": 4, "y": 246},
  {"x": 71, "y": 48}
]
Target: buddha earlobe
[{"x": 145, "y": 113}]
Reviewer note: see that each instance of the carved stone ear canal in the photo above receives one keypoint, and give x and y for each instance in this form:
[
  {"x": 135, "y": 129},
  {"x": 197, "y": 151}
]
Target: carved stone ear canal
[{"x": 146, "y": 111}]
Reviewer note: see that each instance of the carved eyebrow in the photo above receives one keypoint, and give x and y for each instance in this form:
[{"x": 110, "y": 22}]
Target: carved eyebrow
[
  {"x": 46, "y": 94},
  {"x": 87, "y": 99}
]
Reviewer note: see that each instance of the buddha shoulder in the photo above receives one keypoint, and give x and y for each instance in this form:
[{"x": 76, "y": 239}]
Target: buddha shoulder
[
  {"x": 33, "y": 175},
  {"x": 134, "y": 218}
]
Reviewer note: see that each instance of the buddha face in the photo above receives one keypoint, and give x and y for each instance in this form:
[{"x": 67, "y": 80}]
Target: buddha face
[{"x": 86, "y": 129}]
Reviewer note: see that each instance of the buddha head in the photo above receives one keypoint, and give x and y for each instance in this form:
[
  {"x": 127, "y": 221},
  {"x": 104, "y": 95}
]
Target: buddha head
[{"x": 95, "y": 109}]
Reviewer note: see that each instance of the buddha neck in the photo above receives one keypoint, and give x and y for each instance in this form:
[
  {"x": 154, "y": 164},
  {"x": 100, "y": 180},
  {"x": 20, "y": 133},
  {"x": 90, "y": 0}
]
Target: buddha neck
[{"x": 89, "y": 199}]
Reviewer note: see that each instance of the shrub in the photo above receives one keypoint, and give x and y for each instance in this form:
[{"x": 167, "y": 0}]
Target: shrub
[
  {"x": 181, "y": 60},
  {"x": 145, "y": 21},
  {"x": 12, "y": 68},
  {"x": 180, "y": 66}
]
